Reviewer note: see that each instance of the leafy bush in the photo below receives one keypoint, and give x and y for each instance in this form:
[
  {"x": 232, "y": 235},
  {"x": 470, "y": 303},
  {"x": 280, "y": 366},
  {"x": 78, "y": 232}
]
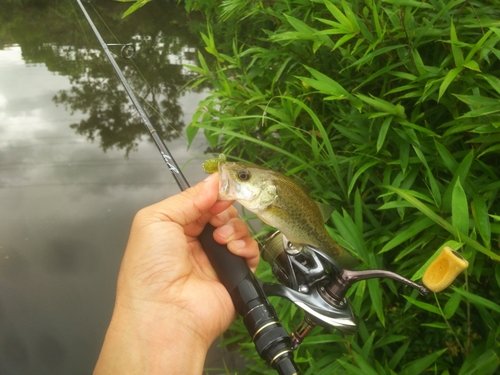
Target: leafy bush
[{"x": 388, "y": 110}]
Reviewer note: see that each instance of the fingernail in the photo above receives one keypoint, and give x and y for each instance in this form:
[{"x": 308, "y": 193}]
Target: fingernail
[
  {"x": 211, "y": 177},
  {"x": 226, "y": 231}
]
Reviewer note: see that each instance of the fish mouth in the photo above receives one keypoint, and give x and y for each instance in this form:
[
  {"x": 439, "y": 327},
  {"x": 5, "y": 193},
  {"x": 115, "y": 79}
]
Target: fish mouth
[{"x": 224, "y": 183}]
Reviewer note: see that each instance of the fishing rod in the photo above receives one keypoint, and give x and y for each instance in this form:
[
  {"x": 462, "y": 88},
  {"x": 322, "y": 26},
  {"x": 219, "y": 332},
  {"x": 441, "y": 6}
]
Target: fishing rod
[{"x": 272, "y": 341}]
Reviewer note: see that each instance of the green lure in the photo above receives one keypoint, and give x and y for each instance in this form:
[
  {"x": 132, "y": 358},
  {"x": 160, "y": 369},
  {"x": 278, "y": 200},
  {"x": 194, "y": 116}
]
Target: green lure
[{"x": 212, "y": 165}]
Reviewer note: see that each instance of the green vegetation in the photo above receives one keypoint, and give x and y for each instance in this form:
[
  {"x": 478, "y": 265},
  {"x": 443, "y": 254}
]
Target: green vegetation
[{"x": 388, "y": 110}]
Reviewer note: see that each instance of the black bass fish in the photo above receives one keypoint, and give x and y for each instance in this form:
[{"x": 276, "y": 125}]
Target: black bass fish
[{"x": 280, "y": 202}]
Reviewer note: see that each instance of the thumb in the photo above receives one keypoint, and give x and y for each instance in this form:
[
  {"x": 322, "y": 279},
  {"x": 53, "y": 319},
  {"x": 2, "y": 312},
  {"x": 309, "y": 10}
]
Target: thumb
[{"x": 191, "y": 204}]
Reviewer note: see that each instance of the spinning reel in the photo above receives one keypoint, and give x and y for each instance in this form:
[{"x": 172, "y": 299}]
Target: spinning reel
[{"x": 317, "y": 284}]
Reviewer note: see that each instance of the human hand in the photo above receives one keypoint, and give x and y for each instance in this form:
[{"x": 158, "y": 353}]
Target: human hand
[{"x": 170, "y": 305}]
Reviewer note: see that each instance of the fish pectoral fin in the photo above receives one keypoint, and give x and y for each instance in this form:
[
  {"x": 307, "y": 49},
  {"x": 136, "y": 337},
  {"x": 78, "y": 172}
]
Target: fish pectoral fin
[{"x": 326, "y": 210}]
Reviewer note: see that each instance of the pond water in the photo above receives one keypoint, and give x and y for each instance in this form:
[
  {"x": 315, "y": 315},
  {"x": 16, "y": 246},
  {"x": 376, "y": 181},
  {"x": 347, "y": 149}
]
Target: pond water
[{"x": 75, "y": 166}]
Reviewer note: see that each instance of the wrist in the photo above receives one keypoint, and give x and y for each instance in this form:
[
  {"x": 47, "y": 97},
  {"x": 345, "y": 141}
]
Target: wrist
[{"x": 163, "y": 340}]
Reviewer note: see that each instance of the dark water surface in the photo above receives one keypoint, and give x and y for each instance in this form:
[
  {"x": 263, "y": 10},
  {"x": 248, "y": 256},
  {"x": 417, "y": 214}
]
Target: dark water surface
[{"x": 75, "y": 166}]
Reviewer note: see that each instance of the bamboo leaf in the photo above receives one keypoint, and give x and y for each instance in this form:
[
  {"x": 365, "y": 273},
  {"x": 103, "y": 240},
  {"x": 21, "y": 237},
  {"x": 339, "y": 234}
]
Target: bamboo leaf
[
  {"x": 396, "y": 358},
  {"x": 480, "y": 215},
  {"x": 417, "y": 227},
  {"x": 350, "y": 16},
  {"x": 446, "y": 156},
  {"x": 455, "y": 49},
  {"x": 340, "y": 17},
  {"x": 483, "y": 111},
  {"x": 472, "y": 65},
  {"x": 409, "y": 3},
  {"x": 436, "y": 194},
  {"x": 460, "y": 209},
  {"x": 250, "y": 139},
  {"x": 420, "y": 365},
  {"x": 452, "y": 305},
  {"x": 363, "y": 365},
  {"x": 374, "y": 54},
  {"x": 487, "y": 363},
  {"x": 423, "y": 305},
  {"x": 376, "y": 297},
  {"x": 438, "y": 325},
  {"x": 448, "y": 79},
  {"x": 383, "y": 132},
  {"x": 134, "y": 7},
  {"x": 477, "y": 300},
  {"x": 325, "y": 84},
  {"x": 396, "y": 110},
  {"x": 493, "y": 81},
  {"x": 358, "y": 173},
  {"x": 439, "y": 220}
]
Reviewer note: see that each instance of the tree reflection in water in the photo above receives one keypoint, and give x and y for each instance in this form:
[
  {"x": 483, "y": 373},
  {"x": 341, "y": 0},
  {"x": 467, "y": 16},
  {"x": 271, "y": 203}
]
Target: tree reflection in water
[{"x": 64, "y": 42}]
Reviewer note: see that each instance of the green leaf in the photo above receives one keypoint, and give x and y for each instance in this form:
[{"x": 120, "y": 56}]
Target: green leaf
[
  {"x": 485, "y": 364},
  {"x": 133, "y": 8},
  {"x": 451, "y": 306},
  {"x": 477, "y": 300},
  {"x": 480, "y": 215},
  {"x": 436, "y": 194},
  {"x": 448, "y": 79},
  {"x": 350, "y": 233},
  {"x": 365, "y": 368},
  {"x": 461, "y": 173},
  {"x": 416, "y": 227},
  {"x": 383, "y": 132},
  {"x": 341, "y": 18},
  {"x": 493, "y": 81},
  {"x": 447, "y": 157},
  {"x": 409, "y": 3},
  {"x": 460, "y": 209},
  {"x": 396, "y": 358},
  {"x": 250, "y": 139},
  {"x": 483, "y": 111},
  {"x": 420, "y": 365},
  {"x": 350, "y": 16},
  {"x": 368, "y": 345},
  {"x": 472, "y": 65},
  {"x": 376, "y": 297},
  {"x": 423, "y": 305},
  {"x": 374, "y": 54},
  {"x": 438, "y": 325},
  {"x": 439, "y": 220},
  {"x": 389, "y": 339},
  {"x": 455, "y": 49},
  {"x": 385, "y": 106},
  {"x": 325, "y": 85},
  {"x": 358, "y": 173}
]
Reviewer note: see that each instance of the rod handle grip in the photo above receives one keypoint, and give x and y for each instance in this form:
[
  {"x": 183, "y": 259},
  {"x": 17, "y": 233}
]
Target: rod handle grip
[{"x": 230, "y": 268}]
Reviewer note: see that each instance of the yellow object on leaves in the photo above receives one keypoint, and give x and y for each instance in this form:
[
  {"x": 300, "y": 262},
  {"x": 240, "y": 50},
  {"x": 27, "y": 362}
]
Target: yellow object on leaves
[{"x": 444, "y": 269}]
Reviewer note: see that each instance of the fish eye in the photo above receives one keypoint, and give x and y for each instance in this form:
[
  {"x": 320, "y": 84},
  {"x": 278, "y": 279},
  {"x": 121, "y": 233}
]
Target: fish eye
[{"x": 243, "y": 175}]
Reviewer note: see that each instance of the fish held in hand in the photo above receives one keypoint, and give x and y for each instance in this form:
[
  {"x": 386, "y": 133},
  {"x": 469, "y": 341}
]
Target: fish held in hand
[{"x": 280, "y": 202}]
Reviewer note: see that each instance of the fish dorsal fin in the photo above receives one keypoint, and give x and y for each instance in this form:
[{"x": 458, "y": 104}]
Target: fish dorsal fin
[{"x": 326, "y": 210}]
